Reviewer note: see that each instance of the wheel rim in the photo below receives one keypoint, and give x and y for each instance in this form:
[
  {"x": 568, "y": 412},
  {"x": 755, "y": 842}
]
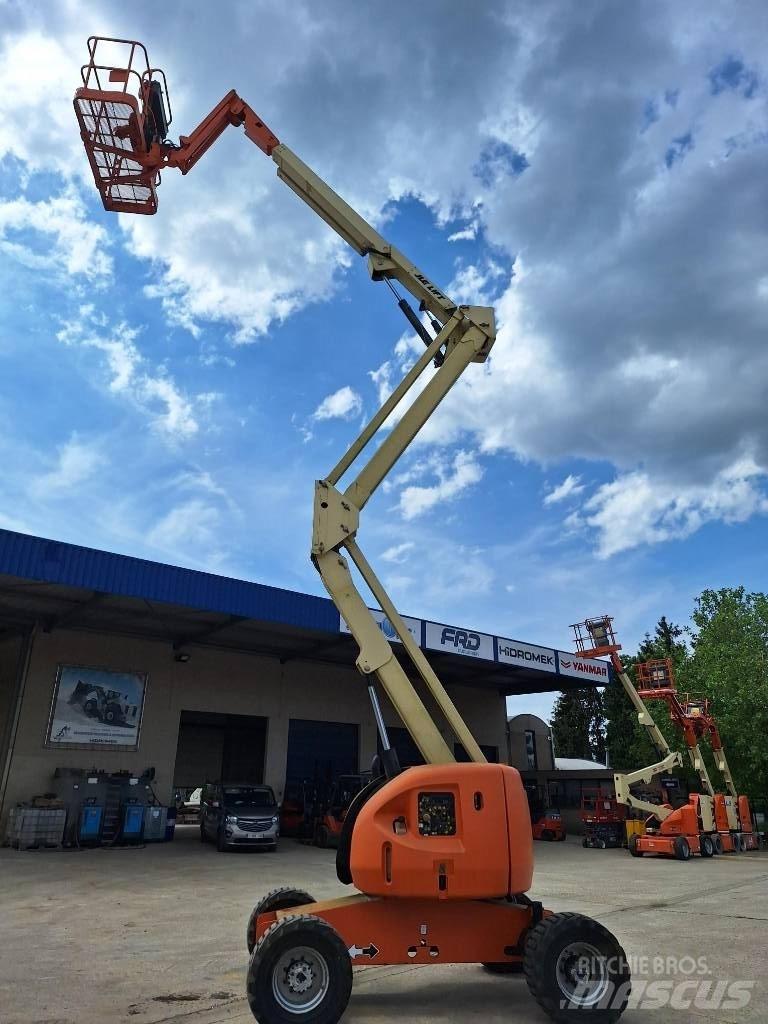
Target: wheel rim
[
  {"x": 300, "y": 980},
  {"x": 581, "y": 972}
]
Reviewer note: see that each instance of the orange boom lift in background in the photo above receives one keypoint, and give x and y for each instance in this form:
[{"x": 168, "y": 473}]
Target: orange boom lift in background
[{"x": 441, "y": 854}]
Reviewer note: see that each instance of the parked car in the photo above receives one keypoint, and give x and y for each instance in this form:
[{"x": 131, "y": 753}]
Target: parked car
[{"x": 239, "y": 814}]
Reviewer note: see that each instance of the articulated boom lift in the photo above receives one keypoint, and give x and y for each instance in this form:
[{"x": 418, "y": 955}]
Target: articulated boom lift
[
  {"x": 696, "y": 827},
  {"x": 693, "y": 717},
  {"x": 441, "y": 854}
]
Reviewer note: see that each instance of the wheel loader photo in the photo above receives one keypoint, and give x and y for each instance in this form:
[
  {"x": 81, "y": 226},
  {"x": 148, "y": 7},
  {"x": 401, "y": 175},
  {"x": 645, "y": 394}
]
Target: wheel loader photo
[{"x": 107, "y": 706}]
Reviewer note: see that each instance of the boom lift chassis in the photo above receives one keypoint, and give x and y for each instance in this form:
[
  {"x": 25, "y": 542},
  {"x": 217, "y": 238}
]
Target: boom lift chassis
[{"x": 441, "y": 854}]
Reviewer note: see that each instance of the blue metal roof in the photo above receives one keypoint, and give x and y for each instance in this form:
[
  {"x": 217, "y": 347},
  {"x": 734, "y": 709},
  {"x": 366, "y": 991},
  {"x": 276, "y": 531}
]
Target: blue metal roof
[{"x": 52, "y": 561}]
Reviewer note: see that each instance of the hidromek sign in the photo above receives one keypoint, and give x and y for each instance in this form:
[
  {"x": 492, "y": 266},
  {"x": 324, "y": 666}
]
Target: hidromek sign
[{"x": 512, "y": 652}]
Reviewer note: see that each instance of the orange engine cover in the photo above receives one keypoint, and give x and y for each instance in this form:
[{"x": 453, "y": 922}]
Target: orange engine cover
[
  {"x": 451, "y": 831},
  {"x": 681, "y": 822},
  {"x": 745, "y": 814}
]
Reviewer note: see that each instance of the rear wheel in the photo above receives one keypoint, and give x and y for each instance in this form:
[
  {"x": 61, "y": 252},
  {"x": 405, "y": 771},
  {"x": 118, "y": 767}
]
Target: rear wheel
[
  {"x": 717, "y": 843},
  {"x": 299, "y": 970},
  {"x": 706, "y": 846},
  {"x": 573, "y": 965},
  {"x": 548, "y": 835},
  {"x": 279, "y": 899},
  {"x": 682, "y": 848},
  {"x": 632, "y": 846}
]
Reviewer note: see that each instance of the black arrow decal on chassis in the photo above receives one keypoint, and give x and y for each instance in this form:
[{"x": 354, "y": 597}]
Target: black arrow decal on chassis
[{"x": 370, "y": 951}]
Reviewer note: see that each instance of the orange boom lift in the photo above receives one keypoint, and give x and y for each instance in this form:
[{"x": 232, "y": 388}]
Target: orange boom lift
[{"x": 441, "y": 855}]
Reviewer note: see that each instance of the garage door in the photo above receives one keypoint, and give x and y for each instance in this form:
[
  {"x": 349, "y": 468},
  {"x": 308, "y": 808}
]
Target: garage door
[
  {"x": 212, "y": 747},
  {"x": 321, "y": 750}
]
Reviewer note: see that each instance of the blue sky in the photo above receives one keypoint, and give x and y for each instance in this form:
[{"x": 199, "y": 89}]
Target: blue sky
[{"x": 171, "y": 386}]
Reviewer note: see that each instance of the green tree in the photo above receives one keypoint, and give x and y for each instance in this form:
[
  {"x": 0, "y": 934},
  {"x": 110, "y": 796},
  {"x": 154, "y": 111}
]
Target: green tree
[
  {"x": 729, "y": 665},
  {"x": 578, "y": 724}
]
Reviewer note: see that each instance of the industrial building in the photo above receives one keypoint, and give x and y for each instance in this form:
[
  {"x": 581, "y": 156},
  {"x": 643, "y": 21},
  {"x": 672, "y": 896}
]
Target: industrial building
[{"x": 111, "y": 664}]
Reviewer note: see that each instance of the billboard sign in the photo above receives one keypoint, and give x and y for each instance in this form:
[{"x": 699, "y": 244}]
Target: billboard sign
[
  {"x": 386, "y": 627},
  {"x": 96, "y": 707},
  {"x": 584, "y": 668},
  {"x": 456, "y": 640},
  {"x": 512, "y": 652}
]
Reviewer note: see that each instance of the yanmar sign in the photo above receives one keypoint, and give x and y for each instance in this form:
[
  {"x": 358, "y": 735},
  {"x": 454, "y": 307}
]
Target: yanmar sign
[
  {"x": 584, "y": 668},
  {"x": 456, "y": 640},
  {"x": 512, "y": 652}
]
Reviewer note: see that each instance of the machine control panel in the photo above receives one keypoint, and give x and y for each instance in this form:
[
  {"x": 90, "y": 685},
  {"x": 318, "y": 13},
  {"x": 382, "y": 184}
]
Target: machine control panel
[{"x": 437, "y": 814}]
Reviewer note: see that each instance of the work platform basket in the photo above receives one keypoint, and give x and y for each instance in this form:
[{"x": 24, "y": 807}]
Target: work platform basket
[{"x": 122, "y": 109}]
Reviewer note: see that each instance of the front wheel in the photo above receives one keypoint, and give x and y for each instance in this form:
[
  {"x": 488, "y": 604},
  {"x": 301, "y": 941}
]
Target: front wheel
[
  {"x": 633, "y": 847},
  {"x": 706, "y": 846},
  {"x": 682, "y": 848},
  {"x": 573, "y": 965},
  {"x": 300, "y": 970}
]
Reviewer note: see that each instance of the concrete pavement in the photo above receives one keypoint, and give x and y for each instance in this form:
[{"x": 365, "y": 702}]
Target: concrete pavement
[{"x": 158, "y": 935}]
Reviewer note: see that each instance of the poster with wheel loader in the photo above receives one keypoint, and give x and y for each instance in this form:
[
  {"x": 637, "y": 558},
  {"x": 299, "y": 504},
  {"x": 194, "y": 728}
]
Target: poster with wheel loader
[{"x": 96, "y": 707}]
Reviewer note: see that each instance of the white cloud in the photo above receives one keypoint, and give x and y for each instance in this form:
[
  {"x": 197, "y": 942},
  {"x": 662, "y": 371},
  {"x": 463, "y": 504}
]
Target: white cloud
[
  {"x": 343, "y": 404},
  {"x": 637, "y": 509},
  {"x": 73, "y": 243},
  {"x": 187, "y": 526},
  {"x": 152, "y": 390},
  {"x": 463, "y": 473},
  {"x": 465, "y": 234},
  {"x": 569, "y": 487},
  {"x": 77, "y": 461},
  {"x": 396, "y": 554}
]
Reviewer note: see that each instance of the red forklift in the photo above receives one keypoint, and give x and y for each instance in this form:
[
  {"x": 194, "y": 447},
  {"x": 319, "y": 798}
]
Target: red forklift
[
  {"x": 546, "y": 821},
  {"x": 603, "y": 819}
]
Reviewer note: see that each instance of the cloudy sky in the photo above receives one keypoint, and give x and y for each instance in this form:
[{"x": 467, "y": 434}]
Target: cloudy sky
[{"x": 171, "y": 386}]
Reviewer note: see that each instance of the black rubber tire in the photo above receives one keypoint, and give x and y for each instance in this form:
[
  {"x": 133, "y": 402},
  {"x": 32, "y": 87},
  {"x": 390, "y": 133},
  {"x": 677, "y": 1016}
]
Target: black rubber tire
[
  {"x": 601, "y": 843},
  {"x": 203, "y": 836},
  {"x": 90, "y": 708},
  {"x": 682, "y": 848},
  {"x": 221, "y": 842},
  {"x": 502, "y": 968},
  {"x": 112, "y": 714},
  {"x": 548, "y": 835},
  {"x": 543, "y": 947},
  {"x": 285, "y": 898},
  {"x": 632, "y": 847},
  {"x": 717, "y": 843},
  {"x": 284, "y": 935},
  {"x": 706, "y": 846},
  {"x": 585, "y": 843}
]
